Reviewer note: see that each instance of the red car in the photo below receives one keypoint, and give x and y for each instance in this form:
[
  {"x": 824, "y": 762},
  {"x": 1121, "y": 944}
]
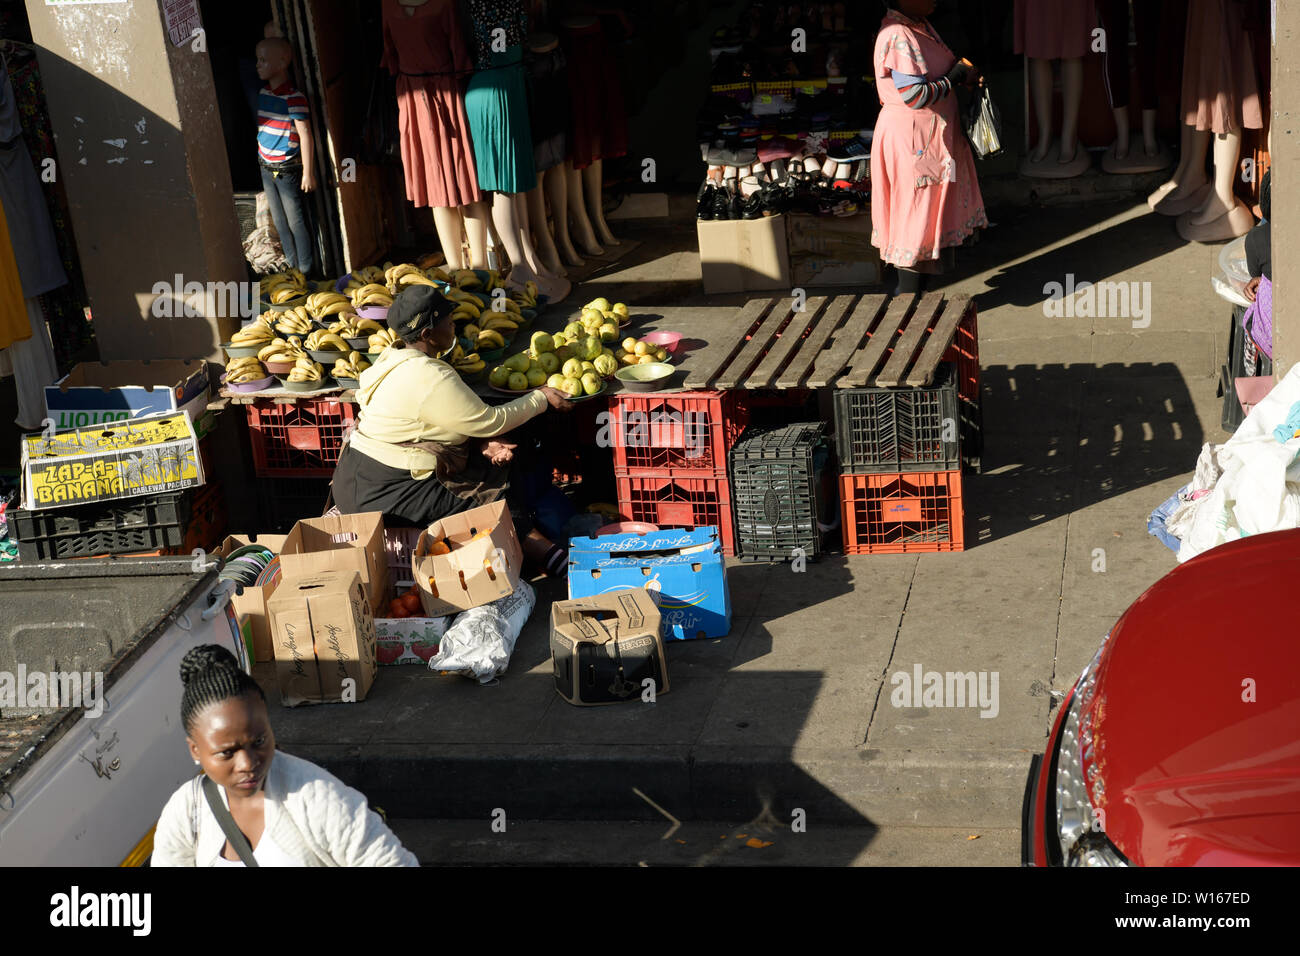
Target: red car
[{"x": 1179, "y": 745}]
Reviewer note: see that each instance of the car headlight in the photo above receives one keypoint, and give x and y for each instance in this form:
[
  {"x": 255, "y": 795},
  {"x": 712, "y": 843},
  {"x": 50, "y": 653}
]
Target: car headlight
[{"x": 1078, "y": 825}]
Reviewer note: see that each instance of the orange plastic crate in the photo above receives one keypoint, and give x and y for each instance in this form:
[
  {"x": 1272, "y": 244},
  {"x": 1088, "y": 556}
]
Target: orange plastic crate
[{"x": 912, "y": 513}]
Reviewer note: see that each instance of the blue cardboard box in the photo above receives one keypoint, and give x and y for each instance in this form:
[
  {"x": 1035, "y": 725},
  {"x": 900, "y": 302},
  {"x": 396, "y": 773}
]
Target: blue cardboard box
[
  {"x": 683, "y": 568},
  {"x": 95, "y": 393}
]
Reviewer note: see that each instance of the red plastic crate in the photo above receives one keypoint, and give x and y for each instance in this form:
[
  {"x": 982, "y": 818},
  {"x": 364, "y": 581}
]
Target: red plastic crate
[
  {"x": 298, "y": 441},
  {"x": 911, "y": 513},
  {"x": 678, "y": 501},
  {"x": 964, "y": 353},
  {"x": 679, "y": 432},
  {"x": 208, "y": 519}
]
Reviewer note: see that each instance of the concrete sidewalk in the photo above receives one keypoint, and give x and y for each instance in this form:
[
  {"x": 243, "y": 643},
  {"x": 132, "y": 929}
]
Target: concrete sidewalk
[{"x": 1089, "y": 424}]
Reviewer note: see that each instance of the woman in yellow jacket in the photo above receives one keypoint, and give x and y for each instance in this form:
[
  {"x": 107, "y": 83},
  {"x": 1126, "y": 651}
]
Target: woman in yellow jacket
[{"x": 425, "y": 446}]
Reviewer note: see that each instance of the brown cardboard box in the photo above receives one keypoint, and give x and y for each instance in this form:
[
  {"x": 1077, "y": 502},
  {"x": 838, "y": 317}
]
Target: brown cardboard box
[
  {"x": 744, "y": 256},
  {"x": 340, "y": 543},
  {"x": 474, "y": 573},
  {"x": 250, "y": 606},
  {"x": 832, "y": 250},
  {"x": 324, "y": 636},
  {"x": 604, "y": 648}
]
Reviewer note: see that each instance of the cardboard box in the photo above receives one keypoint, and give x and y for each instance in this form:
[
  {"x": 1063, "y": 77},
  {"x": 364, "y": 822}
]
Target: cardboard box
[
  {"x": 604, "y": 648},
  {"x": 250, "y": 605},
  {"x": 117, "y": 460},
  {"x": 340, "y": 543},
  {"x": 744, "y": 256},
  {"x": 324, "y": 637},
  {"x": 478, "y": 570},
  {"x": 683, "y": 568},
  {"x": 832, "y": 250},
  {"x": 94, "y": 393},
  {"x": 408, "y": 640}
]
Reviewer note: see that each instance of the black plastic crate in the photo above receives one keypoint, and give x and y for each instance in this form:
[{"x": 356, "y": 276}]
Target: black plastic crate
[
  {"x": 778, "y": 492},
  {"x": 147, "y": 523},
  {"x": 900, "y": 429},
  {"x": 284, "y": 501}
]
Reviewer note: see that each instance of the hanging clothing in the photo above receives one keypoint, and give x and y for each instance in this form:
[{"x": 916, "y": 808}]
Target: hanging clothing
[
  {"x": 14, "y": 325},
  {"x": 1148, "y": 28},
  {"x": 549, "y": 109},
  {"x": 425, "y": 49},
  {"x": 1220, "y": 83},
  {"x": 497, "y": 99},
  {"x": 25, "y": 351},
  {"x": 925, "y": 192},
  {"x": 32, "y": 234},
  {"x": 1055, "y": 29},
  {"x": 599, "y": 119}
]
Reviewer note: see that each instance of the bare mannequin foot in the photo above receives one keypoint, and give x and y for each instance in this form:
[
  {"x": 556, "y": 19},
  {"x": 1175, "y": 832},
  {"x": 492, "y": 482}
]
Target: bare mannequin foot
[
  {"x": 1213, "y": 208},
  {"x": 1069, "y": 152},
  {"x": 1174, "y": 191},
  {"x": 1039, "y": 152},
  {"x": 1151, "y": 147},
  {"x": 1122, "y": 145}
]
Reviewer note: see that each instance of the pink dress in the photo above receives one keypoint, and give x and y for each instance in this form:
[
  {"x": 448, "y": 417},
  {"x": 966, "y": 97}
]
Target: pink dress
[
  {"x": 1055, "y": 29},
  {"x": 925, "y": 195},
  {"x": 1220, "y": 83}
]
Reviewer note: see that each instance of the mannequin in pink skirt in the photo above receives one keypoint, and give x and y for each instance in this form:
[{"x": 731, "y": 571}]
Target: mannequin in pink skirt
[
  {"x": 926, "y": 195},
  {"x": 1048, "y": 30}
]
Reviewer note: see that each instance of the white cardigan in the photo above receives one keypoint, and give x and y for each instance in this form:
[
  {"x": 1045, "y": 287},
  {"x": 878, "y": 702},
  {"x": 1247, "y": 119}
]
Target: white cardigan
[{"x": 319, "y": 820}]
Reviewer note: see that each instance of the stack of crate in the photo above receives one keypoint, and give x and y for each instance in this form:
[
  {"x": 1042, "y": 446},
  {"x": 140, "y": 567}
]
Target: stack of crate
[
  {"x": 900, "y": 453},
  {"x": 779, "y": 484},
  {"x": 670, "y": 458}
]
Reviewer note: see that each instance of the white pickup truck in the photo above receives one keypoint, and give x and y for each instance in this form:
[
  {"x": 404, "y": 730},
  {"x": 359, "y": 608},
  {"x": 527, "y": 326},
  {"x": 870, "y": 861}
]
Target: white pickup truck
[{"x": 91, "y": 744}]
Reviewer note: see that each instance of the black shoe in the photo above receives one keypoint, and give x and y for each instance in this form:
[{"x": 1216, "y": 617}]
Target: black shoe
[
  {"x": 705, "y": 200},
  {"x": 721, "y": 203},
  {"x": 736, "y": 207}
]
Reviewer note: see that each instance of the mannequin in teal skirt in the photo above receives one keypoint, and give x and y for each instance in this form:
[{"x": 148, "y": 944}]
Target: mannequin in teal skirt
[{"x": 496, "y": 105}]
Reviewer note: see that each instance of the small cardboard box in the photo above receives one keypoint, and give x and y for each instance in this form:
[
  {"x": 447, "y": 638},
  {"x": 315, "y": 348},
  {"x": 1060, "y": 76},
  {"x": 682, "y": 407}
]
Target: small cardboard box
[
  {"x": 744, "y": 255},
  {"x": 481, "y": 568},
  {"x": 117, "y": 460},
  {"x": 94, "y": 393},
  {"x": 250, "y": 606},
  {"x": 340, "y": 543},
  {"x": 408, "y": 640},
  {"x": 832, "y": 250},
  {"x": 684, "y": 569},
  {"x": 605, "y": 648},
  {"x": 324, "y": 636}
]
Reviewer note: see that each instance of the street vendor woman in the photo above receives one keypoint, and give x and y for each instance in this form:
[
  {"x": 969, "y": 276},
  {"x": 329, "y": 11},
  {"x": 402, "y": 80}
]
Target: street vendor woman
[{"x": 425, "y": 446}]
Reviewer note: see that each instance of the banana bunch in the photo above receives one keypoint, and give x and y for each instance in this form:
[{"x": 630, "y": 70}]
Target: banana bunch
[
  {"x": 499, "y": 322},
  {"x": 349, "y": 326},
  {"x": 296, "y": 321},
  {"x": 244, "y": 370},
  {"x": 321, "y": 304},
  {"x": 486, "y": 340},
  {"x": 360, "y": 277},
  {"x": 466, "y": 279},
  {"x": 255, "y": 333},
  {"x": 281, "y": 351},
  {"x": 351, "y": 367},
  {"x": 381, "y": 340},
  {"x": 468, "y": 307},
  {"x": 372, "y": 293},
  {"x": 326, "y": 342},
  {"x": 305, "y": 370},
  {"x": 283, "y": 286},
  {"x": 466, "y": 364},
  {"x": 526, "y": 297}
]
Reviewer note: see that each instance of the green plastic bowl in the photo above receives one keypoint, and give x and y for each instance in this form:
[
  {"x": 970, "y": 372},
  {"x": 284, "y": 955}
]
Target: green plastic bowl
[{"x": 650, "y": 377}]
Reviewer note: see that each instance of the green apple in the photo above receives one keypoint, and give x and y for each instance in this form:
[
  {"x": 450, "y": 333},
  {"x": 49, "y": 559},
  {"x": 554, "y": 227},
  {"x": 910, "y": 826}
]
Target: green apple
[
  {"x": 517, "y": 363},
  {"x": 590, "y": 347},
  {"x": 549, "y": 362},
  {"x": 620, "y": 310},
  {"x": 556, "y": 381},
  {"x": 605, "y": 364},
  {"x": 542, "y": 342},
  {"x": 600, "y": 305},
  {"x": 498, "y": 377},
  {"x": 661, "y": 355},
  {"x": 572, "y": 386},
  {"x": 591, "y": 383},
  {"x": 536, "y": 377},
  {"x": 518, "y": 382},
  {"x": 629, "y": 344},
  {"x": 532, "y": 364},
  {"x": 608, "y": 332},
  {"x": 574, "y": 330},
  {"x": 572, "y": 368},
  {"x": 589, "y": 366}
]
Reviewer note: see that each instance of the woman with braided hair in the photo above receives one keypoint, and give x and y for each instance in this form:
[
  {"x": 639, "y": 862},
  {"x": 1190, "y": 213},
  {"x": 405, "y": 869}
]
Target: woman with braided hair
[{"x": 252, "y": 805}]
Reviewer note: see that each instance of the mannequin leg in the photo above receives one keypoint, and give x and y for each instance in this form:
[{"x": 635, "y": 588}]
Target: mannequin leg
[
  {"x": 477, "y": 219},
  {"x": 447, "y": 220},
  {"x": 542, "y": 240},
  {"x": 1227, "y": 149},
  {"x": 1071, "y": 97},
  {"x": 1121, "y": 132},
  {"x": 584, "y": 233},
  {"x": 509, "y": 226},
  {"x": 1189, "y": 177},
  {"x": 1149, "y": 141},
  {"x": 1040, "y": 87},
  {"x": 593, "y": 181},
  {"x": 556, "y": 184}
]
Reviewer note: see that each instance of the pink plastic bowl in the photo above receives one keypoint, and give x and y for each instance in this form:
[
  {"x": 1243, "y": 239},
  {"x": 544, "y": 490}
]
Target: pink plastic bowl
[
  {"x": 376, "y": 312},
  {"x": 666, "y": 340},
  {"x": 628, "y": 527}
]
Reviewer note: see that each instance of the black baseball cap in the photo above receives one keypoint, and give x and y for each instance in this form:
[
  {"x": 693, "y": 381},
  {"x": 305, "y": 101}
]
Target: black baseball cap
[{"x": 417, "y": 308}]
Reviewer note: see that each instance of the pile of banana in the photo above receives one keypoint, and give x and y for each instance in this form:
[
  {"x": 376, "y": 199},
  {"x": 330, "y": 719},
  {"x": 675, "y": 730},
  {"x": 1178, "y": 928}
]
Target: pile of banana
[
  {"x": 381, "y": 340},
  {"x": 372, "y": 293},
  {"x": 351, "y": 327},
  {"x": 401, "y": 276},
  {"x": 466, "y": 364},
  {"x": 322, "y": 304},
  {"x": 281, "y": 351},
  {"x": 350, "y": 367},
  {"x": 259, "y": 332},
  {"x": 283, "y": 286},
  {"x": 326, "y": 342},
  {"x": 295, "y": 321},
  {"x": 305, "y": 370},
  {"x": 244, "y": 370},
  {"x": 492, "y": 333},
  {"x": 527, "y": 296},
  {"x": 360, "y": 277}
]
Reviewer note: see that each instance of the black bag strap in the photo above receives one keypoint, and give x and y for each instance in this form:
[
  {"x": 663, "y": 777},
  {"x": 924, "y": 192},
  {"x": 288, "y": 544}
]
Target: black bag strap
[{"x": 228, "y": 825}]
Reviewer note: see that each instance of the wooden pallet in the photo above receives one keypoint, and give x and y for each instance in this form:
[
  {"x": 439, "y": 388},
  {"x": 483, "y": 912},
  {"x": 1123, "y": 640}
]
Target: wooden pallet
[{"x": 845, "y": 341}]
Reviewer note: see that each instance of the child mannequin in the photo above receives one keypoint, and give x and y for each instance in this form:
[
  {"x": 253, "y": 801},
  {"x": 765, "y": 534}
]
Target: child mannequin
[{"x": 285, "y": 152}]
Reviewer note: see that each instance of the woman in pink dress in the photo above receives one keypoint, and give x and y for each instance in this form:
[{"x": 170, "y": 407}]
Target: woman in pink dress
[{"x": 925, "y": 194}]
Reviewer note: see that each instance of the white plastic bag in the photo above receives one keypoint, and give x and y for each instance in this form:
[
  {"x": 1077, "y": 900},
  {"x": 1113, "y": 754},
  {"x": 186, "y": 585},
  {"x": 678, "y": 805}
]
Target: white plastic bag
[
  {"x": 984, "y": 125},
  {"x": 480, "y": 641}
]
